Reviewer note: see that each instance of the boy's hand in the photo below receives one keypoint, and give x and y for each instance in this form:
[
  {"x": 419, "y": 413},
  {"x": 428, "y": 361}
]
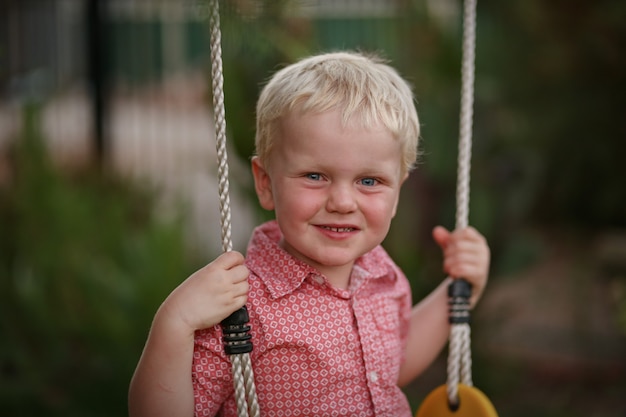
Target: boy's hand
[
  {"x": 209, "y": 295},
  {"x": 465, "y": 255}
]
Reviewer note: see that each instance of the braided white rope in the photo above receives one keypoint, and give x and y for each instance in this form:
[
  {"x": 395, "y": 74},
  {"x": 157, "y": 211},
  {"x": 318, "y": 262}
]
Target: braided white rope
[
  {"x": 459, "y": 355},
  {"x": 250, "y": 388},
  {"x": 217, "y": 78},
  {"x": 243, "y": 377},
  {"x": 240, "y": 388},
  {"x": 467, "y": 112}
]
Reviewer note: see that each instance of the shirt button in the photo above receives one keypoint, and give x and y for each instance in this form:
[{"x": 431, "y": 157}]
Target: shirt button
[
  {"x": 373, "y": 376},
  {"x": 318, "y": 279}
]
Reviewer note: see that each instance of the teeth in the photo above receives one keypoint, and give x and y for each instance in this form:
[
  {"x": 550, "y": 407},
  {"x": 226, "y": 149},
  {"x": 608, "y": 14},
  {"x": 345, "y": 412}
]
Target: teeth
[{"x": 339, "y": 229}]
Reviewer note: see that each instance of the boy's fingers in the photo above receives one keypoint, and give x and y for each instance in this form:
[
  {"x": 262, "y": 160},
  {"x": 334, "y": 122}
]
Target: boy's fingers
[
  {"x": 240, "y": 273},
  {"x": 228, "y": 260},
  {"x": 441, "y": 236},
  {"x": 472, "y": 235},
  {"x": 232, "y": 259}
]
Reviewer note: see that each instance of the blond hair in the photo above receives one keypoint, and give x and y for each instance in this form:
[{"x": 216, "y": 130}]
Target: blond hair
[{"x": 361, "y": 86}]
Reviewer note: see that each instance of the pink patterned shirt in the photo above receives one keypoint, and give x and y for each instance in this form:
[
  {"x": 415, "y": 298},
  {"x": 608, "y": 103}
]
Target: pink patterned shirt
[{"x": 317, "y": 350}]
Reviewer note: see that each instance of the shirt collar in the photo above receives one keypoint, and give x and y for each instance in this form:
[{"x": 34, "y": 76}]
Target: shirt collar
[{"x": 282, "y": 273}]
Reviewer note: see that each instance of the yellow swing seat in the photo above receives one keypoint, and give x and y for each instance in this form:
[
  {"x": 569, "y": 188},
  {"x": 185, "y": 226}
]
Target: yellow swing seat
[{"x": 472, "y": 403}]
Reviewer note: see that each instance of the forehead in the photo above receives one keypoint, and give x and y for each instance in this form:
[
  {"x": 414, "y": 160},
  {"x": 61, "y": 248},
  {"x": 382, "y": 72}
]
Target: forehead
[
  {"x": 320, "y": 125},
  {"x": 334, "y": 119},
  {"x": 325, "y": 137}
]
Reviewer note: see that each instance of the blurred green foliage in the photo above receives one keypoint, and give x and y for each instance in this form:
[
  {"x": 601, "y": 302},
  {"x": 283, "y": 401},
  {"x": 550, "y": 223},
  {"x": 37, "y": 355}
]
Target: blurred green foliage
[
  {"x": 560, "y": 65},
  {"x": 254, "y": 47},
  {"x": 84, "y": 263}
]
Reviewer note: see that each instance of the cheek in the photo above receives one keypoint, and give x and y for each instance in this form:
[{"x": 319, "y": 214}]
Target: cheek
[
  {"x": 380, "y": 213},
  {"x": 297, "y": 204}
]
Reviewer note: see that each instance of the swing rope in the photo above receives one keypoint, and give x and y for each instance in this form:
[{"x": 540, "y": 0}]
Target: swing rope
[
  {"x": 236, "y": 337},
  {"x": 459, "y": 397},
  {"x": 459, "y": 355}
]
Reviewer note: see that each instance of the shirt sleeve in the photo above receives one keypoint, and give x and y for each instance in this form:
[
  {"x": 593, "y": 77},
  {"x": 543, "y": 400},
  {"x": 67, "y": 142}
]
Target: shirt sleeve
[
  {"x": 211, "y": 373},
  {"x": 406, "y": 305}
]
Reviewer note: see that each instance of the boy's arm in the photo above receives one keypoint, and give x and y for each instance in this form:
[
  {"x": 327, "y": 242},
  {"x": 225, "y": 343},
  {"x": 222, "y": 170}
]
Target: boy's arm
[
  {"x": 428, "y": 333},
  {"x": 162, "y": 384},
  {"x": 467, "y": 255}
]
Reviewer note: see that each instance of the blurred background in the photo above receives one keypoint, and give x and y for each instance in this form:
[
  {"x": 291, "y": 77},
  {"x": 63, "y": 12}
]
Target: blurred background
[{"x": 108, "y": 196}]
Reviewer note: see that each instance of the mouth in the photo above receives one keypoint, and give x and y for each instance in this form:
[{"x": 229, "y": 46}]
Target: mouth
[{"x": 339, "y": 229}]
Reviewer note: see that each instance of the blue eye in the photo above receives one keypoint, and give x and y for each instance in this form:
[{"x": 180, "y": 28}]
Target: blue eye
[
  {"x": 314, "y": 176},
  {"x": 369, "y": 182}
]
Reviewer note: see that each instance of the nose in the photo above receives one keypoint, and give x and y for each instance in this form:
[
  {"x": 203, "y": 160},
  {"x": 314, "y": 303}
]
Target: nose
[{"x": 341, "y": 198}]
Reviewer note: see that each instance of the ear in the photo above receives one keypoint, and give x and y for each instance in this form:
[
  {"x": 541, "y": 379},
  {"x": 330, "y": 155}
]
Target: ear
[
  {"x": 262, "y": 184},
  {"x": 395, "y": 205}
]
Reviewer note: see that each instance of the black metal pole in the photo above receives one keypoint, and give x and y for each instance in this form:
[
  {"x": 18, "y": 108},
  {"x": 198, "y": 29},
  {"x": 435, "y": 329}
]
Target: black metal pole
[{"x": 96, "y": 73}]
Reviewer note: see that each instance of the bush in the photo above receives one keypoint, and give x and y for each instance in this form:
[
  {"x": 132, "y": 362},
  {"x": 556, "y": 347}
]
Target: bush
[{"x": 84, "y": 265}]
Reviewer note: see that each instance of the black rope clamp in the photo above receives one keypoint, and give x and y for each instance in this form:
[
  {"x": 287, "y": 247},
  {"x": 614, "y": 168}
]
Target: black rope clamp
[
  {"x": 236, "y": 333},
  {"x": 459, "y": 293}
]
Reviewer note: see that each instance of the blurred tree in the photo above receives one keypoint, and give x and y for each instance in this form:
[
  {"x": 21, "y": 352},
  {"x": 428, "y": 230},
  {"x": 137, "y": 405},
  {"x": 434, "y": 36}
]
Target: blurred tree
[
  {"x": 560, "y": 68},
  {"x": 258, "y": 37},
  {"x": 84, "y": 263}
]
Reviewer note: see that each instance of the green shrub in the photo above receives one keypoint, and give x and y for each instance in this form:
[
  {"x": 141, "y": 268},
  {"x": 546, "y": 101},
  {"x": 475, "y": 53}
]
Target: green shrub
[{"x": 84, "y": 263}]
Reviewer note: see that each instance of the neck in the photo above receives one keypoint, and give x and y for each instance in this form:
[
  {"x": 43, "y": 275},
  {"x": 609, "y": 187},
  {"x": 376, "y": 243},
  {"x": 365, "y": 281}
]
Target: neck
[{"x": 338, "y": 277}]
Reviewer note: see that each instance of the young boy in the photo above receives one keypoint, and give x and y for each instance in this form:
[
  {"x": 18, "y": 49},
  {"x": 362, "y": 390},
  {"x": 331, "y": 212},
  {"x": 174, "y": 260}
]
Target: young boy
[{"x": 333, "y": 327}]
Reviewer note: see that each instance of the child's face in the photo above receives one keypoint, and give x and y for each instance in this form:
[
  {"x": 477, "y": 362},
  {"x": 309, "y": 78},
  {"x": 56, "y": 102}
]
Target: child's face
[{"x": 334, "y": 189}]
